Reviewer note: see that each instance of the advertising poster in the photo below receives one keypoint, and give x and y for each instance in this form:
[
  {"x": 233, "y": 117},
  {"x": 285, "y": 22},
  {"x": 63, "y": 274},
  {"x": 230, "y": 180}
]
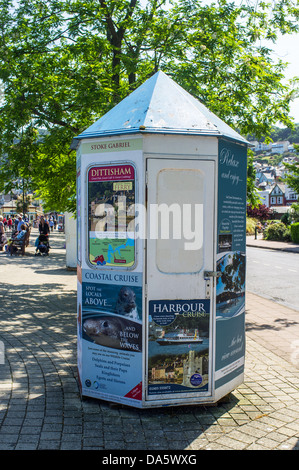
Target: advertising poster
[
  {"x": 111, "y": 335},
  {"x": 230, "y": 288},
  {"x": 111, "y": 199},
  {"x": 79, "y": 326},
  {"x": 79, "y": 246},
  {"x": 178, "y": 347}
]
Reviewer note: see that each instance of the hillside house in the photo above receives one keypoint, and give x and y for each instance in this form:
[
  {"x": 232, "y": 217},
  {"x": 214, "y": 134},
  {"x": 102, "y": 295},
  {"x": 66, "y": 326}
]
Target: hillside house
[
  {"x": 280, "y": 147},
  {"x": 277, "y": 195},
  {"x": 290, "y": 196},
  {"x": 263, "y": 178}
]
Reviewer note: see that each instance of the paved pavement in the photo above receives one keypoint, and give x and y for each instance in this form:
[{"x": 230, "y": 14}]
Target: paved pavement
[
  {"x": 259, "y": 242},
  {"x": 40, "y": 405}
]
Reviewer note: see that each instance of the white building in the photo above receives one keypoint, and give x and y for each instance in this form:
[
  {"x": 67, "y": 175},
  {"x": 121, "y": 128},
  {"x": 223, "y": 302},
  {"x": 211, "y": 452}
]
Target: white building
[
  {"x": 264, "y": 197},
  {"x": 280, "y": 147}
]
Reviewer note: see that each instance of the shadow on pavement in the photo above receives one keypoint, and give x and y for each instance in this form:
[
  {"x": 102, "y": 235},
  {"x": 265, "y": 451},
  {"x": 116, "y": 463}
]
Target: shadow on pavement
[
  {"x": 42, "y": 405},
  {"x": 39, "y": 330}
]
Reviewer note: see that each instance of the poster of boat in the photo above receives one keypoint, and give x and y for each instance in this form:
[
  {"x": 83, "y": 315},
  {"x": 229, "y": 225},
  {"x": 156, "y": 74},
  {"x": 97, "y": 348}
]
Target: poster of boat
[{"x": 178, "y": 346}]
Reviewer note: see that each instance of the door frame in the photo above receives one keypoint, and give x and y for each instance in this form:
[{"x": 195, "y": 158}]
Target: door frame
[{"x": 180, "y": 399}]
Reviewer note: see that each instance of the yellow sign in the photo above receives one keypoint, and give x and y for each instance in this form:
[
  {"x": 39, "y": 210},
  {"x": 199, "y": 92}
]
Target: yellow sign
[{"x": 123, "y": 186}]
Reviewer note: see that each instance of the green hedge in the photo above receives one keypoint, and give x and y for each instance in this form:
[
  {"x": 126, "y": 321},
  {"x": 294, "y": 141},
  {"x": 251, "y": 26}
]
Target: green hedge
[{"x": 295, "y": 232}]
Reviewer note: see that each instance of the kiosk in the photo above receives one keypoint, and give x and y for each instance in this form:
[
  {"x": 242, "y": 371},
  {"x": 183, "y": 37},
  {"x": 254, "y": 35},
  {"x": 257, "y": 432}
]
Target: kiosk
[{"x": 161, "y": 227}]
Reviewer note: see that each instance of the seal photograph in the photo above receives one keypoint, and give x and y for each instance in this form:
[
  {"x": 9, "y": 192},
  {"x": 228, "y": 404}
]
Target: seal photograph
[
  {"x": 112, "y": 316},
  {"x": 113, "y": 331}
]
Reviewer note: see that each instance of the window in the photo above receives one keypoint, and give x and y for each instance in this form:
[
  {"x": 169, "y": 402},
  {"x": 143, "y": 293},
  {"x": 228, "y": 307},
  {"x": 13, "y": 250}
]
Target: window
[{"x": 180, "y": 200}]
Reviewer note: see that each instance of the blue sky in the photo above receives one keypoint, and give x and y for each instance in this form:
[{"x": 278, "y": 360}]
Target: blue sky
[{"x": 286, "y": 49}]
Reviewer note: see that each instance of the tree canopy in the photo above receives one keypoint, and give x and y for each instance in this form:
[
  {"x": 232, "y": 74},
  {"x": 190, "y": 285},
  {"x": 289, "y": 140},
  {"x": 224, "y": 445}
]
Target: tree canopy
[
  {"x": 64, "y": 63},
  {"x": 292, "y": 178}
]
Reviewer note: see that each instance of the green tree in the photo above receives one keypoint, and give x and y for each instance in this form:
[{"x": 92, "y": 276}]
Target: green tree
[
  {"x": 294, "y": 212},
  {"x": 292, "y": 178},
  {"x": 253, "y": 198},
  {"x": 64, "y": 63}
]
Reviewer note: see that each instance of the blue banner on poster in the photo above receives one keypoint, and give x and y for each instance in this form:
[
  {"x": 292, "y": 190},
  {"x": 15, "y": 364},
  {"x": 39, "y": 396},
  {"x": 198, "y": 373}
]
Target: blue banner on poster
[
  {"x": 231, "y": 237},
  {"x": 232, "y": 177}
]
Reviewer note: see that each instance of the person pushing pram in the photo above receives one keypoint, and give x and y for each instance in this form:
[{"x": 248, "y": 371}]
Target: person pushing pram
[{"x": 42, "y": 242}]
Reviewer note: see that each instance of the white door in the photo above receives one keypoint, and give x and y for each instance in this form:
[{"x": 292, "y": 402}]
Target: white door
[{"x": 180, "y": 251}]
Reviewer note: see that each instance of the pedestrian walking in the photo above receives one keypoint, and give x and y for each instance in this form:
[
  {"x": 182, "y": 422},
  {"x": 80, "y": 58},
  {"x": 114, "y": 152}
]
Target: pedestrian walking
[
  {"x": 9, "y": 223},
  {"x": 51, "y": 223}
]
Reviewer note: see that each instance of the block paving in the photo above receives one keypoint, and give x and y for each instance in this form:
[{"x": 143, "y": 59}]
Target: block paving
[{"x": 40, "y": 403}]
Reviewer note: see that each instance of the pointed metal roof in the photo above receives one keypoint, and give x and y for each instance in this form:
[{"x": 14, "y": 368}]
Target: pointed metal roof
[{"x": 159, "y": 105}]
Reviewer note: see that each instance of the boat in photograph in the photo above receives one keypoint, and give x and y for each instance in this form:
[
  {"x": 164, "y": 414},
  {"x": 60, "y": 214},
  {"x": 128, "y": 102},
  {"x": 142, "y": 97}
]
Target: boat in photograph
[{"x": 180, "y": 338}]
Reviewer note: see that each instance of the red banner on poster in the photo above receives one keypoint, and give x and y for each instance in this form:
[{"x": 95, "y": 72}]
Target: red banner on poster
[
  {"x": 111, "y": 173},
  {"x": 136, "y": 392}
]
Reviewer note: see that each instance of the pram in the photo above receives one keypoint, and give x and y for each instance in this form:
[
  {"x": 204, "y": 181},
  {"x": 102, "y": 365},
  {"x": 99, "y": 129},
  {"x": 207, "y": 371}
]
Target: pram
[{"x": 42, "y": 246}]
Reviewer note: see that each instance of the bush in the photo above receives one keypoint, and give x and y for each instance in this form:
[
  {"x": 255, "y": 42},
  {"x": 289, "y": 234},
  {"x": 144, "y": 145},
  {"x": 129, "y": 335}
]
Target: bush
[
  {"x": 286, "y": 218},
  {"x": 295, "y": 212},
  {"x": 295, "y": 232},
  {"x": 261, "y": 212},
  {"x": 278, "y": 232}
]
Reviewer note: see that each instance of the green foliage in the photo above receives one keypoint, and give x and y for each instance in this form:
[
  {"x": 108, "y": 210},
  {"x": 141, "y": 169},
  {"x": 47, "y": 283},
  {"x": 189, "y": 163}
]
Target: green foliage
[
  {"x": 277, "y": 231},
  {"x": 63, "y": 64},
  {"x": 294, "y": 212},
  {"x": 252, "y": 196},
  {"x": 295, "y": 232},
  {"x": 279, "y": 134},
  {"x": 292, "y": 135},
  {"x": 250, "y": 225},
  {"x": 292, "y": 178},
  {"x": 286, "y": 218}
]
